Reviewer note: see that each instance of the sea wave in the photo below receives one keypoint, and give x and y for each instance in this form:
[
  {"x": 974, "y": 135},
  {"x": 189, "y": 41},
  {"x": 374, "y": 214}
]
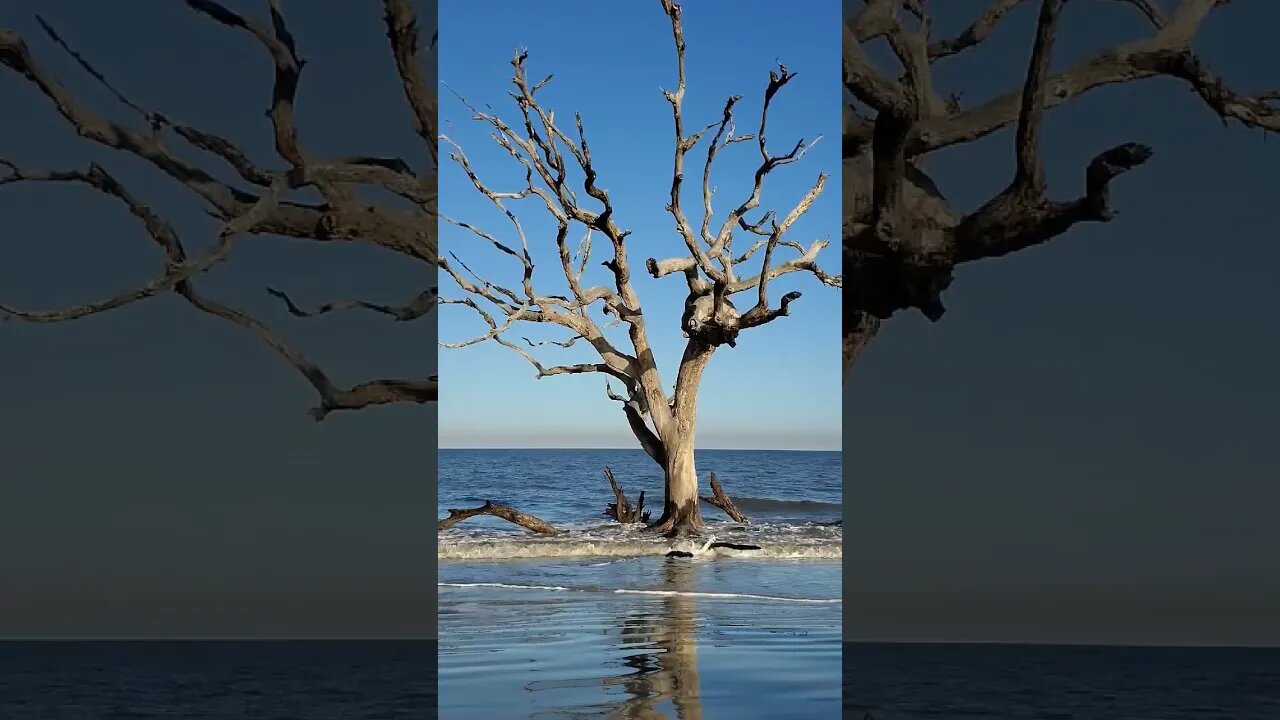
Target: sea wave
[
  {"x": 630, "y": 591},
  {"x": 782, "y": 541},
  {"x": 755, "y": 504}
]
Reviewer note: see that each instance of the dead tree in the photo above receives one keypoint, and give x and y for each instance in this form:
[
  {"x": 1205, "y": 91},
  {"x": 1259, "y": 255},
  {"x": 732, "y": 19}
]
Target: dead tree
[
  {"x": 721, "y": 499},
  {"x": 902, "y": 240},
  {"x": 263, "y": 200},
  {"x": 663, "y": 424},
  {"x": 620, "y": 509},
  {"x": 506, "y": 512}
]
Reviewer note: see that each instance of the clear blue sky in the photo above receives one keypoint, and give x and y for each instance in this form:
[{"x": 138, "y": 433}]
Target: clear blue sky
[{"x": 780, "y": 387}]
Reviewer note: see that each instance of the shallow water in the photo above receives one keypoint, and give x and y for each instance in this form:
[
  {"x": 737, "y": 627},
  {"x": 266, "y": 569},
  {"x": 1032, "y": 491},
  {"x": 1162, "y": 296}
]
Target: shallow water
[
  {"x": 697, "y": 651},
  {"x": 598, "y": 623}
]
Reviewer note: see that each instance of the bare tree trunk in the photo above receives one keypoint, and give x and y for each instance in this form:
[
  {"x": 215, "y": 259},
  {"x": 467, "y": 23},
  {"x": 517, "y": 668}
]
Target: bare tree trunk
[{"x": 680, "y": 514}]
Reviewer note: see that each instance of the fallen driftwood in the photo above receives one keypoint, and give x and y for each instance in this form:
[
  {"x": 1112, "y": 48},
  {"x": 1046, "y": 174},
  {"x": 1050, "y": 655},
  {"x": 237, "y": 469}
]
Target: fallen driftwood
[
  {"x": 722, "y": 500},
  {"x": 734, "y": 546},
  {"x": 709, "y": 546},
  {"x": 506, "y": 512},
  {"x": 621, "y": 509}
]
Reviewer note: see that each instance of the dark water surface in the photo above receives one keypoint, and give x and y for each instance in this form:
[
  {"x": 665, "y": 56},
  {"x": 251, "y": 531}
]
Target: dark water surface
[
  {"x": 226, "y": 680},
  {"x": 568, "y": 486},
  {"x": 1055, "y": 682}
]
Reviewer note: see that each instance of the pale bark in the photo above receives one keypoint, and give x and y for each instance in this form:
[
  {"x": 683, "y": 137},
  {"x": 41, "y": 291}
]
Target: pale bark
[
  {"x": 680, "y": 514},
  {"x": 902, "y": 239},
  {"x": 711, "y": 268}
]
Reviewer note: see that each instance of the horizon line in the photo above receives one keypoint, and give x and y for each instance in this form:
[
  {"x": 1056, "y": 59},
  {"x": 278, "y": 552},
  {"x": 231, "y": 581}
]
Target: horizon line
[{"x": 544, "y": 447}]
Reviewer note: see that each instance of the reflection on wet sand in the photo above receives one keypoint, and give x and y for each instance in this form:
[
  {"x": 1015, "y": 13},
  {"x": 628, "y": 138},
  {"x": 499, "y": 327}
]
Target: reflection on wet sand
[
  {"x": 662, "y": 655},
  {"x": 652, "y": 639}
]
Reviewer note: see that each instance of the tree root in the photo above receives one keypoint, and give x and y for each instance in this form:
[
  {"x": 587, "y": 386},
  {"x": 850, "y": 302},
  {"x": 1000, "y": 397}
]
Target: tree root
[
  {"x": 722, "y": 500},
  {"x": 506, "y": 512},
  {"x": 669, "y": 527},
  {"x": 621, "y": 509}
]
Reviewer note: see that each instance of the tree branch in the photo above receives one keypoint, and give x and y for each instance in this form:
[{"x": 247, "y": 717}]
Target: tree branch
[
  {"x": 633, "y": 406},
  {"x": 421, "y": 304},
  {"x": 620, "y": 509},
  {"x": 976, "y": 33},
  {"x": 349, "y": 219},
  {"x": 343, "y": 217},
  {"x": 506, "y": 512},
  {"x": 721, "y": 499},
  {"x": 1001, "y": 228},
  {"x": 402, "y": 31},
  {"x": 1167, "y": 53}
]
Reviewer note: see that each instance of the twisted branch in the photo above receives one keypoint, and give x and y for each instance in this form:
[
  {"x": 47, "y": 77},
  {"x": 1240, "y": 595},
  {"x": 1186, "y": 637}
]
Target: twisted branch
[
  {"x": 901, "y": 239},
  {"x": 342, "y": 217}
]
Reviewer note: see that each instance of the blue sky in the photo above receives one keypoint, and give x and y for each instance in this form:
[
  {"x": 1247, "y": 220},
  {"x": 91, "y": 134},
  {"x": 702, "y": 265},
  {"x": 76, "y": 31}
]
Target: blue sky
[{"x": 780, "y": 387}]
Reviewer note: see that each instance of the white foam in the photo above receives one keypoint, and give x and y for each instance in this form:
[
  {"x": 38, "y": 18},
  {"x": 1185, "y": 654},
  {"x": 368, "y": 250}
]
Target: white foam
[
  {"x": 746, "y": 596},
  {"x": 668, "y": 593},
  {"x": 508, "y": 586},
  {"x": 491, "y": 549}
]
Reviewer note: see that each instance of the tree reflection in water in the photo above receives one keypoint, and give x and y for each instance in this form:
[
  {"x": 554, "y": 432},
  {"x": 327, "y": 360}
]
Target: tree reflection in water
[{"x": 663, "y": 649}]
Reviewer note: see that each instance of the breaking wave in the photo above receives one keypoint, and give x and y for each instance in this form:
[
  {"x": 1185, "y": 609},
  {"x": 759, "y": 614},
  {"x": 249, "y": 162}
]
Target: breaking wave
[
  {"x": 754, "y": 504},
  {"x": 778, "y": 541}
]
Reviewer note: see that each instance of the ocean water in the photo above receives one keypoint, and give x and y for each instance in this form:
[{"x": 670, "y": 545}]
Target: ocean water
[
  {"x": 1048, "y": 682},
  {"x": 252, "y": 680},
  {"x": 791, "y": 499},
  {"x": 600, "y": 624}
]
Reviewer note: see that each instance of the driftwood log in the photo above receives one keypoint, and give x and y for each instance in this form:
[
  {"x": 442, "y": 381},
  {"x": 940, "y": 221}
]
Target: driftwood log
[
  {"x": 721, "y": 499},
  {"x": 506, "y": 512},
  {"x": 621, "y": 509}
]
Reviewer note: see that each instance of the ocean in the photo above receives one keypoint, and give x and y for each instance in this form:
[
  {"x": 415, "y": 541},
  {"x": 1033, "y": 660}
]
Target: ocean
[
  {"x": 686, "y": 673},
  {"x": 598, "y": 623},
  {"x": 1060, "y": 682},
  {"x": 217, "y": 680}
]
